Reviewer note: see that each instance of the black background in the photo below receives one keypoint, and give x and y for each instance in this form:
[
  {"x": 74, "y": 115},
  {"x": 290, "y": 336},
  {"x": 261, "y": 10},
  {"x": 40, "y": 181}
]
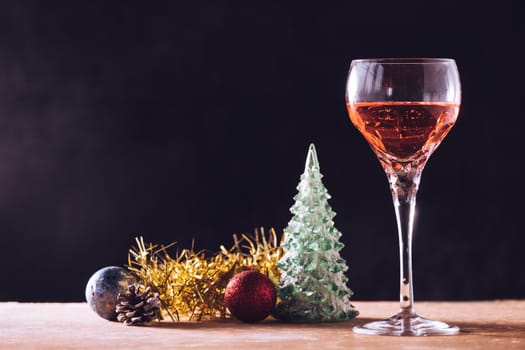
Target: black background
[{"x": 191, "y": 119}]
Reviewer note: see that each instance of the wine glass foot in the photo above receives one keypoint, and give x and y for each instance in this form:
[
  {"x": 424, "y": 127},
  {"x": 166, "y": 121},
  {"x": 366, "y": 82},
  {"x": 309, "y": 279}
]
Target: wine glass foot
[{"x": 404, "y": 324}]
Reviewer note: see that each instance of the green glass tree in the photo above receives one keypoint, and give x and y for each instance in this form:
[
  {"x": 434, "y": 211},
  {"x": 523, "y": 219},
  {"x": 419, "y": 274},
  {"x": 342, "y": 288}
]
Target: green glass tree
[{"x": 313, "y": 286}]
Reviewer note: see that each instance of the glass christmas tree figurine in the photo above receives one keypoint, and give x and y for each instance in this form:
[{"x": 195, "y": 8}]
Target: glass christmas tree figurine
[{"x": 312, "y": 287}]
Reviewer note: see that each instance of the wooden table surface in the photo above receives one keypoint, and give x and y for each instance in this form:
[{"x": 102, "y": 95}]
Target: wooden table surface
[{"x": 484, "y": 325}]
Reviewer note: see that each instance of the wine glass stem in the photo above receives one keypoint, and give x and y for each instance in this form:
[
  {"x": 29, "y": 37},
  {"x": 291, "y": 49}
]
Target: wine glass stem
[{"x": 404, "y": 184}]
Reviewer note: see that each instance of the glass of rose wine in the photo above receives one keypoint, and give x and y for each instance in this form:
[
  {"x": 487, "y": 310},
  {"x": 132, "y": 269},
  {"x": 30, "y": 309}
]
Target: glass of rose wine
[{"x": 404, "y": 108}]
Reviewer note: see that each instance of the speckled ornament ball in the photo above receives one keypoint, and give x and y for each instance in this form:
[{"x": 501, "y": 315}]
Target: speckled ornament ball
[
  {"x": 103, "y": 287},
  {"x": 250, "y": 296}
]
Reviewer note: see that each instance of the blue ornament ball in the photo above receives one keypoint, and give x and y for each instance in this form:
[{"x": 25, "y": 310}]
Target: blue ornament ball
[{"x": 104, "y": 286}]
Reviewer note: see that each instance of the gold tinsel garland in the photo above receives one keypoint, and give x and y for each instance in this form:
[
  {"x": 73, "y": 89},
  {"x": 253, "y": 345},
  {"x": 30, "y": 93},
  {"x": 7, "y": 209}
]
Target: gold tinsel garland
[{"x": 190, "y": 284}]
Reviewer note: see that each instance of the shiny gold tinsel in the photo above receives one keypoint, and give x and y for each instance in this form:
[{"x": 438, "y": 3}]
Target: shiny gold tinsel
[{"x": 191, "y": 285}]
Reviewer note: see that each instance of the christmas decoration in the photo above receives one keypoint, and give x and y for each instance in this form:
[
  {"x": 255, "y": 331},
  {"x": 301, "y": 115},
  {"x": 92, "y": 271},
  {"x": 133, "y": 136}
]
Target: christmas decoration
[
  {"x": 137, "y": 305},
  {"x": 191, "y": 284},
  {"x": 103, "y": 288},
  {"x": 250, "y": 296},
  {"x": 313, "y": 285}
]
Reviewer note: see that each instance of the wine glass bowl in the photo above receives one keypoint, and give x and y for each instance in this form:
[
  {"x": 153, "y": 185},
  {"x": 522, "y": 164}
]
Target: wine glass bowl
[{"x": 404, "y": 108}]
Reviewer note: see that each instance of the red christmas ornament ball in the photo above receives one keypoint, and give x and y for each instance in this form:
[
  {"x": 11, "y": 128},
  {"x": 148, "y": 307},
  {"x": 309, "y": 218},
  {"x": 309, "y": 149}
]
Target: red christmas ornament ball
[{"x": 250, "y": 296}]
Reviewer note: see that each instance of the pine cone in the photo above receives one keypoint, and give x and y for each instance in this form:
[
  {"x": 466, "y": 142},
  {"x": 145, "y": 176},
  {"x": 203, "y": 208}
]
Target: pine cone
[{"x": 137, "y": 308}]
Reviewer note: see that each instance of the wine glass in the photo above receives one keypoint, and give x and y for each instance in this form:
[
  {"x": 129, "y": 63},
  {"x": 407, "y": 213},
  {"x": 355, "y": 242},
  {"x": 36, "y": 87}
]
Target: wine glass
[{"x": 404, "y": 107}]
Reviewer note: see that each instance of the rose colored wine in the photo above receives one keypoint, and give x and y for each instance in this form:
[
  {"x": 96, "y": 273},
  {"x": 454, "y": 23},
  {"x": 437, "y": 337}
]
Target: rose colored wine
[{"x": 403, "y": 131}]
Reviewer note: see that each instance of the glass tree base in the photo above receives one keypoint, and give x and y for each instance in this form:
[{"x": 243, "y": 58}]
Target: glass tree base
[{"x": 404, "y": 324}]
